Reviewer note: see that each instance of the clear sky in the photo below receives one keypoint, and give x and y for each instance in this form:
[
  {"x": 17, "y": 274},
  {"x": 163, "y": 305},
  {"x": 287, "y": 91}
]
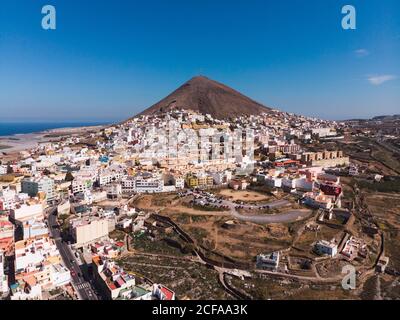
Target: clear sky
[{"x": 108, "y": 60}]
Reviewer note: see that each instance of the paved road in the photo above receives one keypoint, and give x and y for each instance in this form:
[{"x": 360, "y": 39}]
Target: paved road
[
  {"x": 84, "y": 288},
  {"x": 289, "y": 216}
]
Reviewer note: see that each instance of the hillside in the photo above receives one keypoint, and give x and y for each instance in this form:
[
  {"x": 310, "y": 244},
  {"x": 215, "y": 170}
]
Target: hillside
[{"x": 207, "y": 96}]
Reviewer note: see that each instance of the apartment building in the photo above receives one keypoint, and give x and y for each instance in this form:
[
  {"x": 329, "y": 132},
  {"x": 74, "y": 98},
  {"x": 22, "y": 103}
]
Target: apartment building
[
  {"x": 201, "y": 180},
  {"x": 27, "y": 211},
  {"x": 325, "y": 159},
  {"x": 8, "y": 199},
  {"x": 34, "y": 186},
  {"x": 88, "y": 229},
  {"x": 128, "y": 185},
  {"x": 80, "y": 184},
  {"x": 148, "y": 183},
  {"x": 108, "y": 176}
]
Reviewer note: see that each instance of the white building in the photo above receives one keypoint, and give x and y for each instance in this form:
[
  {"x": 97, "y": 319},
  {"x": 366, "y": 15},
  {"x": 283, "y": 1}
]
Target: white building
[
  {"x": 93, "y": 197},
  {"x": 33, "y": 228},
  {"x": 319, "y": 200},
  {"x": 8, "y": 199},
  {"x": 60, "y": 275},
  {"x": 268, "y": 261},
  {"x": 179, "y": 182},
  {"x": 32, "y": 186},
  {"x": 27, "y": 211},
  {"x": 324, "y": 247},
  {"x": 147, "y": 183},
  {"x": 108, "y": 176},
  {"x": 161, "y": 292},
  {"x": 81, "y": 184},
  {"x": 289, "y": 183},
  {"x": 273, "y": 182},
  {"x": 114, "y": 191},
  {"x": 33, "y": 252},
  {"x": 128, "y": 185},
  {"x": 88, "y": 229},
  {"x": 3, "y": 169},
  {"x": 23, "y": 290},
  {"x": 305, "y": 184}
]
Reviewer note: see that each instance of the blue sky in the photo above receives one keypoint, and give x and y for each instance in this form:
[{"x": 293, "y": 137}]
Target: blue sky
[{"x": 108, "y": 60}]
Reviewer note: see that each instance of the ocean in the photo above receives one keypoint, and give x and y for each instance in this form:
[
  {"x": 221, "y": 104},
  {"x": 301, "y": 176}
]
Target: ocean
[{"x": 11, "y": 128}]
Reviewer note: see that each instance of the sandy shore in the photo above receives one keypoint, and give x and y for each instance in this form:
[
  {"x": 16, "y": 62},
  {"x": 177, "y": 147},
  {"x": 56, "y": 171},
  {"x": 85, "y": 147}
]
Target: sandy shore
[{"x": 19, "y": 142}]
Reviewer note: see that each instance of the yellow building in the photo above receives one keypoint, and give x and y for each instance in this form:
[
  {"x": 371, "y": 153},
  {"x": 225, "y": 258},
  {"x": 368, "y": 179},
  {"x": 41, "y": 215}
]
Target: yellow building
[
  {"x": 192, "y": 181},
  {"x": 200, "y": 181}
]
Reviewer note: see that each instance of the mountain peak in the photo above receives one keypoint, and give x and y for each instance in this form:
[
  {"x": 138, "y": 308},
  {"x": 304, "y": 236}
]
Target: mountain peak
[{"x": 208, "y": 96}]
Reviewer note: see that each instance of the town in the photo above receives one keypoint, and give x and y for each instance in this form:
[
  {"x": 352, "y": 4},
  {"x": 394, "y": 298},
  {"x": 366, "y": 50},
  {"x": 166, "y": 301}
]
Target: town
[{"x": 179, "y": 204}]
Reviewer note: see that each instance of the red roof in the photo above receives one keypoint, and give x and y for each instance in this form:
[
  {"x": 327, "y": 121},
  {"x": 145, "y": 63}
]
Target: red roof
[{"x": 168, "y": 293}]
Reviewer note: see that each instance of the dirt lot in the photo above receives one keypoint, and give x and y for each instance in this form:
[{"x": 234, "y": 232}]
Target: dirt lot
[
  {"x": 153, "y": 202},
  {"x": 246, "y": 196},
  {"x": 240, "y": 240}
]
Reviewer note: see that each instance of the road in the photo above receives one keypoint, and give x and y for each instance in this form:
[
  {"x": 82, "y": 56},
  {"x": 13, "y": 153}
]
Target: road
[
  {"x": 289, "y": 216},
  {"x": 284, "y": 217},
  {"x": 83, "y": 287}
]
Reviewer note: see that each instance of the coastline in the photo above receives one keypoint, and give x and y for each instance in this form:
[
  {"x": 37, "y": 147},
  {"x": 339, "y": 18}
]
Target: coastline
[{"x": 10, "y": 145}]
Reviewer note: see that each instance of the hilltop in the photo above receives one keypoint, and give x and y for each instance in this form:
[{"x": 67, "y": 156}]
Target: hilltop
[{"x": 207, "y": 96}]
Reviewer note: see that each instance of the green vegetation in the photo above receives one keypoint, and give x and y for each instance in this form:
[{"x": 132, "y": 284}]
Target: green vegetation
[
  {"x": 160, "y": 246},
  {"x": 117, "y": 235},
  {"x": 199, "y": 218},
  {"x": 186, "y": 278},
  {"x": 64, "y": 222},
  {"x": 198, "y": 234},
  {"x": 182, "y": 219},
  {"x": 383, "y": 186},
  {"x": 369, "y": 289}
]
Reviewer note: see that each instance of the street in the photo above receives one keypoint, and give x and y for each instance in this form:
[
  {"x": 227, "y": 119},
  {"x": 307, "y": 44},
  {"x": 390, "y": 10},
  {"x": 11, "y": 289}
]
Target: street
[
  {"x": 84, "y": 288},
  {"x": 289, "y": 216}
]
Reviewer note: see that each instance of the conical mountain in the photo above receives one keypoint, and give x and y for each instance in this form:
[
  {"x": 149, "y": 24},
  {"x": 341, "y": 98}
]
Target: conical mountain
[{"x": 207, "y": 96}]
